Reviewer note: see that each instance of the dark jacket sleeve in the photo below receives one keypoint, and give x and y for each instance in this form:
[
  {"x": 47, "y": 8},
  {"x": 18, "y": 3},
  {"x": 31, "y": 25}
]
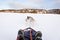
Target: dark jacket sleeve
[{"x": 19, "y": 32}]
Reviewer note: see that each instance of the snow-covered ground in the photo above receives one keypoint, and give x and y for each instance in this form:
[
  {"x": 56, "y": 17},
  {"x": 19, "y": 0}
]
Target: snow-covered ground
[{"x": 48, "y": 24}]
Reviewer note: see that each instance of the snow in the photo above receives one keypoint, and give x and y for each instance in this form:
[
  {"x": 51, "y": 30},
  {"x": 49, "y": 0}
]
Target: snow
[{"x": 48, "y": 24}]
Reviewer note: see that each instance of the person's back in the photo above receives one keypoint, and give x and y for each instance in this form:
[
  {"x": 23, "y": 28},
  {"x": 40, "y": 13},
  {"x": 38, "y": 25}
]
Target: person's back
[{"x": 29, "y": 33}]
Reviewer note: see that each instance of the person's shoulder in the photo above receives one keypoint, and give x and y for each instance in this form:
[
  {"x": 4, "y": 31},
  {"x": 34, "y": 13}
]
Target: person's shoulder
[{"x": 20, "y": 30}]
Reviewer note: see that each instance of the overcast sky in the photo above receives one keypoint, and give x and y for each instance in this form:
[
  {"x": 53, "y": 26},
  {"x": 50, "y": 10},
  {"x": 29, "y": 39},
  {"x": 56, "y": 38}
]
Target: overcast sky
[
  {"x": 17, "y": 4},
  {"x": 48, "y": 24}
]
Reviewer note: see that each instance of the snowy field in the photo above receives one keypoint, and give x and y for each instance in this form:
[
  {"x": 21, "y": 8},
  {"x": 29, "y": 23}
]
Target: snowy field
[{"x": 48, "y": 24}]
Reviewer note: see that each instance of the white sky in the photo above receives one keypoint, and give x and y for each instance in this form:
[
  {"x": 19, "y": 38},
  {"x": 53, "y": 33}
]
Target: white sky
[
  {"x": 18, "y": 4},
  {"x": 49, "y": 25}
]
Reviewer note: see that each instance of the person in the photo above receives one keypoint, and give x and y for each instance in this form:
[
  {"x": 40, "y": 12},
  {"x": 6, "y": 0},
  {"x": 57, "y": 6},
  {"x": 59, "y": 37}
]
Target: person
[{"x": 29, "y": 33}]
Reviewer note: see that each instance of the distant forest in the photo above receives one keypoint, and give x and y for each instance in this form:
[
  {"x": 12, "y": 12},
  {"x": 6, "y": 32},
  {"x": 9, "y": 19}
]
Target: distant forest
[{"x": 35, "y": 11}]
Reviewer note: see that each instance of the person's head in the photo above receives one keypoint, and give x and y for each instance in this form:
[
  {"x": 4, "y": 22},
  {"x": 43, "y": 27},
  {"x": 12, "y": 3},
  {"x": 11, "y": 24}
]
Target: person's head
[{"x": 30, "y": 19}]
